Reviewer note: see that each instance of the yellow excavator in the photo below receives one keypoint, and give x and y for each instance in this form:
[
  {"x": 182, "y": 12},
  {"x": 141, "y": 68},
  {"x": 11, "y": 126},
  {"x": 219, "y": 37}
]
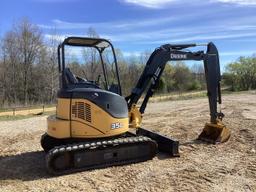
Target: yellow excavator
[{"x": 91, "y": 128}]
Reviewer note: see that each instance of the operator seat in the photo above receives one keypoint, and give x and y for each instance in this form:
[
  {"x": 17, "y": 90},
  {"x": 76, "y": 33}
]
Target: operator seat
[
  {"x": 72, "y": 82},
  {"x": 69, "y": 76}
]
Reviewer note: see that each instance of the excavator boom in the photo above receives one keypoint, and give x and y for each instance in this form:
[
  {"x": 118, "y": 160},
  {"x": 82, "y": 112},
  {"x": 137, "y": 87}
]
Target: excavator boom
[{"x": 215, "y": 131}]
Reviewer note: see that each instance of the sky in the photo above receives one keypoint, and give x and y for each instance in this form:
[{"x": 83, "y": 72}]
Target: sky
[{"x": 138, "y": 25}]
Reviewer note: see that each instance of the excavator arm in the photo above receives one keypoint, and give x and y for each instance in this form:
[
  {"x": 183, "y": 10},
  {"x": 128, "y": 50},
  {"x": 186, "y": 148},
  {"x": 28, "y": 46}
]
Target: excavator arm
[{"x": 153, "y": 70}]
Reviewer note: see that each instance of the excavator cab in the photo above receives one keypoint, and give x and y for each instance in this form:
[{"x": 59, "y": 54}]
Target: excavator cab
[{"x": 98, "y": 47}]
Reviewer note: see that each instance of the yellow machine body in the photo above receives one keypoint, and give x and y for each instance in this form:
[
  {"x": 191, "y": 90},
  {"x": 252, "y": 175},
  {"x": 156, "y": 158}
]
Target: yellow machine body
[
  {"x": 135, "y": 117},
  {"x": 80, "y": 118}
]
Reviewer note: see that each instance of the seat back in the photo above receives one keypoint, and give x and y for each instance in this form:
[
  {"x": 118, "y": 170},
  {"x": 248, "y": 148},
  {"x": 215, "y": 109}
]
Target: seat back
[{"x": 69, "y": 77}]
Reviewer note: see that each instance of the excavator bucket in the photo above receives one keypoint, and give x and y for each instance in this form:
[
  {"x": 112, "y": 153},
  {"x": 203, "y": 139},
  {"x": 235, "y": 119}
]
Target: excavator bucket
[{"x": 215, "y": 133}]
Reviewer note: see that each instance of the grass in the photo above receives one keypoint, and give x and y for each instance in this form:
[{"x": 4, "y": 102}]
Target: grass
[
  {"x": 19, "y": 108},
  {"x": 19, "y": 117},
  {"x": 189, "y": 95},
  {"x": 183, "y": 96}
]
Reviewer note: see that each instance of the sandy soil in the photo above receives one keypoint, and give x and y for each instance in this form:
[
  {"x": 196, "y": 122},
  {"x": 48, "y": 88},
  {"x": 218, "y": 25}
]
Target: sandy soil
[{"x": 226, "y": 167}]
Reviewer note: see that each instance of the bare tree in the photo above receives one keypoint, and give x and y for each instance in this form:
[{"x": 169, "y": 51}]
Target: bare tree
[
  {"x": 29, "y": 41},
  {"x": 197, "y": 70},
  {"x": 144, "y": 56},
  {"x": 91, "y": 57},
  {"x": 20, "y": 50},
  {"x": 51, "y": 66},
  {"x": 10, "y": 72}
]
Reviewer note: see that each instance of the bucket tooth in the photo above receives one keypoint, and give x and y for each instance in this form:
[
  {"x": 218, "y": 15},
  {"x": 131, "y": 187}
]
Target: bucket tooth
[{"x": 215, "y": 133}]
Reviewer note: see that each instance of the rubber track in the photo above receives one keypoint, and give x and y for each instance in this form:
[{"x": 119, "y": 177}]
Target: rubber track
[{"x": 93, "y": 146}]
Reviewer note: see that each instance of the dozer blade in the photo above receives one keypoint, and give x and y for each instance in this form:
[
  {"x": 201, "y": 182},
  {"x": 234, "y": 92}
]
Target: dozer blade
[
  {"x": 215, "y": 133},
  {"x": 165, "y": 144}
]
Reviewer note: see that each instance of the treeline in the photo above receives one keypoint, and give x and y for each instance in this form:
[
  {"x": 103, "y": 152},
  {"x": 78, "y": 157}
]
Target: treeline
[
  {"x": 241, "y": 75},
  {"x": 29, "y": 71}
]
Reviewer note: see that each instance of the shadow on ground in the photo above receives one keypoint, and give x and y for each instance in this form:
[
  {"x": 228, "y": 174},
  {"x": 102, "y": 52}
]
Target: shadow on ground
[
  {"x": 25, "y": 166},
  {"x": 31, "y": 166}
]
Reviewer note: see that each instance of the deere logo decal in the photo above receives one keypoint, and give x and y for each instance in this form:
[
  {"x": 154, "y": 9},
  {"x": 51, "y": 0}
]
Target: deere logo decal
[{"x": 178, "y": 56}]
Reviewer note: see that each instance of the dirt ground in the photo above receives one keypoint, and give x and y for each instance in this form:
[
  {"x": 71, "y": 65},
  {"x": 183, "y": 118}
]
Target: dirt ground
[{"x": 201, "y": 167}]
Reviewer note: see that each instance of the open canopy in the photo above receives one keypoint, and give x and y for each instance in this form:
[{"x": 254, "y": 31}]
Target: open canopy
[
  {"x": 109, "y": 68},
  {"x": 87, "y": 42}
]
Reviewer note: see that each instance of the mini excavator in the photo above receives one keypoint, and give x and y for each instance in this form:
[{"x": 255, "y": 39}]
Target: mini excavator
[{"x": 92, "y": 125}]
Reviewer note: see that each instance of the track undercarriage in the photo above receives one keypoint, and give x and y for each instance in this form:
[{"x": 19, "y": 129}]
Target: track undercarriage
[{"x": 69, "y": 156}]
